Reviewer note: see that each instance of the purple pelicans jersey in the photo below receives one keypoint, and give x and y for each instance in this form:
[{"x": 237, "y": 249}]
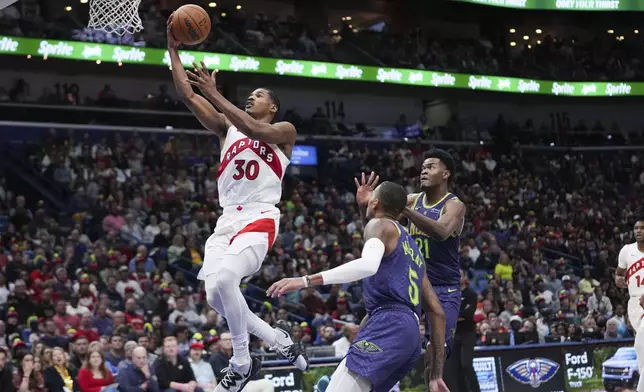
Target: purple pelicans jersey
[
  {"x": 442, "y": 260},
  {"x": 392, "y": 299}
]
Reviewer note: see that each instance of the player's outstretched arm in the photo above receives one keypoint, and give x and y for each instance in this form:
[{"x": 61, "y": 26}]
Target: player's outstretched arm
[
  {"x": 441, "y": 229},
  {"x": 381, "y": 236},
  {"x": 279, "y": 133},
  {"x": 207, "y": 115},
  {"x": 436, "y": 315}
]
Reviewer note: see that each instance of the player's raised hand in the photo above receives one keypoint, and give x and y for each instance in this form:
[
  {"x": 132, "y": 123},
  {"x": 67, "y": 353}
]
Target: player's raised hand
[
  {"x": 285, "y": 286},
  {"x": 203, "y": 79},
  {"x": 172, "y": 42},
  {"x": 365, "y": 187},
  {"x": 438, "y": 385}
]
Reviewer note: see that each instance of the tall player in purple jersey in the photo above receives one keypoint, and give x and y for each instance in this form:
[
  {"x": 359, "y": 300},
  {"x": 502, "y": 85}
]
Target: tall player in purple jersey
[
  {"x": 391, "y": 269},
  {"x": 436, "y": 219}
]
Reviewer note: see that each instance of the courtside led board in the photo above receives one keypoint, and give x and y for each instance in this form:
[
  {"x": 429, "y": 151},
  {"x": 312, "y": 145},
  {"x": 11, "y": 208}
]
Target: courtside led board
[
  {"x": 99, "y": 53},
  {"x": 565, "y": 5}
]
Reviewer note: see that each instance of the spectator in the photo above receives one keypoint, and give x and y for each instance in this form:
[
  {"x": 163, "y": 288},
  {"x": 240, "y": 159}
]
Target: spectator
[
  {"x": 94, "y": 376},
  {"x": 142, "y": 257},
  {"x": 192, "y": 319},
  {"x": 27, "y": 378},
  {"x": 79, "y": 350},
  {"x": 587, "y": 284},
  {"x": 600, "y": 304},
  {"x": 503, "y": 271},
  {"x": 219, "y": 360},
  {"x": 128, "y": 348},
  {"x": 65, "y": 321},
  {"x": 174, "y": 371},
  {"x": 6, "y": 373},
  {"x": 115, "y": 355},
  {"x": 204, "y": 374},
  {"x": 139, "y": 375},
  {"x": 86, "y": 327},
  {"x": 59, "y": 377},
  {"x": 349, "y": 332},
  {"x": 144, "y": 341}
]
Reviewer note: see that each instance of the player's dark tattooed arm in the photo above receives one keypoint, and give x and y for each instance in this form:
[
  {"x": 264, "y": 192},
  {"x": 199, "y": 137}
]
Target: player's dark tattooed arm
[
  {"x": 434, "y": 310},
  {"x": 207, "y": 115},
  {"x": 441, "y": 229},
  {"x": 278, "y": 133}
]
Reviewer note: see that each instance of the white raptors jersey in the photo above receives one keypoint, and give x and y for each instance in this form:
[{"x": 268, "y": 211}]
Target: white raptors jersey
[
  {"x": 250, "y": 171},
  {"x": 632, "y": 260}
]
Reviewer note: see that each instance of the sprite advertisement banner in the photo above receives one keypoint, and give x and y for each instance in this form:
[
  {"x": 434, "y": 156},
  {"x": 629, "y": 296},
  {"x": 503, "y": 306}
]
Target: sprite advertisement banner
[
  {"x": 565, "y": 5},
  {"x": 310, "y": 69}
]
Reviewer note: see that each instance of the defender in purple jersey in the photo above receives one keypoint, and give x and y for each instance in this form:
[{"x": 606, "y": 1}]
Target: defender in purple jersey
[
  {"x": 395, "y": 285},
  {"x": 436, "y": 219}
]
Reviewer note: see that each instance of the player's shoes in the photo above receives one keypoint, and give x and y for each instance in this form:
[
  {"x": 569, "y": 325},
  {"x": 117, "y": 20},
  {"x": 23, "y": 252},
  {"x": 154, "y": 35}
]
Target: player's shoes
[
  {"x": 233, "y": 381},
  {"x": 287, "y": 349}
]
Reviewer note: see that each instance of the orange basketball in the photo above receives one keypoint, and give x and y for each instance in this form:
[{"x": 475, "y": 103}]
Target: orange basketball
[{"x": 190, "y": 24}]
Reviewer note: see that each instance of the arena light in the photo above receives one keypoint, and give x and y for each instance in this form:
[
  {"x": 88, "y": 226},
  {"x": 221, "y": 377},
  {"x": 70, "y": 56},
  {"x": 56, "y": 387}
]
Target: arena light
[
  {"x": 538, "y": 42},
  {"x": 552, "y": 144},
  {"x": 513, "y": 43},
  {"x": 350, "y": 26},
  {"x": 335, "y": 31},
  {"x": 84, "y": 1},
  {"x": 513, "y": 31},
  {"x": 120, "y": 64},
  {"x": 223, "y": 14},
  {"x": 636, "y": 31},
  {"x": 609, "y": 137},
  {"x": 212, "y": 5},
  {"x": 238, "y": 7},
  {"x": 526, "y": 37},
  {"x": 355, "y": 30},
  {"x": 98, "y": 61},
  {"x": 538, "y": 31},
  {"x": 348, "y": 18},
  {"x": 529, "y": 46},
  {"x": 28, "y": 56},
  {"x": 611, "y": 31},
  {"x": 68, "y": 8}
]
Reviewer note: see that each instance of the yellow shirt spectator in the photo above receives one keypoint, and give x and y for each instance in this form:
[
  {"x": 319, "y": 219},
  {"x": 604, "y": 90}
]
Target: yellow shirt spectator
[{"x": 504, "y": 271}]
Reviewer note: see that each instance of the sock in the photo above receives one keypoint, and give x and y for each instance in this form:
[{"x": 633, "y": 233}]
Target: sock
[{"x": 241, "y": 355}]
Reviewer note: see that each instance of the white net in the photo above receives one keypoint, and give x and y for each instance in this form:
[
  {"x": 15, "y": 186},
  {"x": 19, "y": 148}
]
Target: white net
[{"x": 115, "y": 16}]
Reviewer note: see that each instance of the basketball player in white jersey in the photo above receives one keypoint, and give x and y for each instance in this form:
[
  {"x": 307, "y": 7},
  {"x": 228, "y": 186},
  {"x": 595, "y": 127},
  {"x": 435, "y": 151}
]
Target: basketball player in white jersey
[
  {"x": 630, "y": 273},
  {"x": 254, "y": 155}
]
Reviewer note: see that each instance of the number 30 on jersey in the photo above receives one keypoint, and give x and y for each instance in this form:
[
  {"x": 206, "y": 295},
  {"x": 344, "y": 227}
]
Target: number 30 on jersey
[{"x": 246, "y": 169}]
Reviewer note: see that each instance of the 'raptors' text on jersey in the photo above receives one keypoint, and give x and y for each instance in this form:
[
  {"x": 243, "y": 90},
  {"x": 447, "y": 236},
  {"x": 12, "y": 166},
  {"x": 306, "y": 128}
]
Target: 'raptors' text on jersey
[
  {"x": 250, "y": 171},
  {"x": 632, "y": 260}
]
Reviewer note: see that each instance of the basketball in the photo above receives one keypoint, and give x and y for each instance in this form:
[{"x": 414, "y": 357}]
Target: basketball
[{"x": 190, "y": 24}]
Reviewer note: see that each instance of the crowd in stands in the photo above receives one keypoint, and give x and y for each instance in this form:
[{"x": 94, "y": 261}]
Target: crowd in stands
[
  {"x": 109, "y": 287},
  {"x": 595, "y": 56}
]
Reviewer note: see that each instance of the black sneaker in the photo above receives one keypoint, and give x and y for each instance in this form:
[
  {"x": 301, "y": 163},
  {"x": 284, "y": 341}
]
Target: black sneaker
[
  {"x": 287, "y": 349},
  {"x": 233, "y": 381}
]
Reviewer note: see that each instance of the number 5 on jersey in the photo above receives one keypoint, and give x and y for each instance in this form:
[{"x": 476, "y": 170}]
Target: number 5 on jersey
[
  {"x": 246, "y": 169},
  {"x": 413, "y": 287}
]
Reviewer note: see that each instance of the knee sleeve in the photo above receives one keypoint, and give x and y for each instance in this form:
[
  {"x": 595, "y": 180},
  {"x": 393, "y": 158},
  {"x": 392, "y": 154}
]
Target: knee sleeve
[{"x": 212, "y": 294}]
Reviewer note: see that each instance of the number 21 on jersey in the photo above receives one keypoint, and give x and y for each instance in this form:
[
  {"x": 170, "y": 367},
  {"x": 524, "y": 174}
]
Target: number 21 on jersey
[
  {"x": 423, "y": 246},
  {"x": 246, "y": 169}
]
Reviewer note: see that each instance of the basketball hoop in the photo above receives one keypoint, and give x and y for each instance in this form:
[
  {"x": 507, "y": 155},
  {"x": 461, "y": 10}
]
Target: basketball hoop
[{"x": 115, "y": 16}]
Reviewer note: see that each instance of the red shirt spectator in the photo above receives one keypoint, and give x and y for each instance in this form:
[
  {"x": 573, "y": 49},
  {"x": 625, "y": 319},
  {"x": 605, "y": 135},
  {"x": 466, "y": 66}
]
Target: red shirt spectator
[
  {"x": 94, "y": 376},
  {"x": 63, "y": 320}
]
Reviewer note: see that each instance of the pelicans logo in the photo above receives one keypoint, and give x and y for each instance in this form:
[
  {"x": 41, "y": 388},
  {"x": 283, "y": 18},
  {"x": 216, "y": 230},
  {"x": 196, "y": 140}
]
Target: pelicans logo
[
  {"x": 533, "y": 371},
  {"x": 367, "y": 347}
]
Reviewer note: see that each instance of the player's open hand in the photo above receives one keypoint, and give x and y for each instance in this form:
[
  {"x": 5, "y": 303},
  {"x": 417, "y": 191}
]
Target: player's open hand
[
  {"x": 285, "y": 286},
  {"x": 172, "y": 42},
  {"x": 203, "y": 79},
  {"x": 365, "y": 188},
  {"x": 438, "y": 385}
]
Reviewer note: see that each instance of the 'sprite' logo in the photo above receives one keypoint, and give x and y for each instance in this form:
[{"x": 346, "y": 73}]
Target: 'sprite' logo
[{"x": 533, "y": 371}]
